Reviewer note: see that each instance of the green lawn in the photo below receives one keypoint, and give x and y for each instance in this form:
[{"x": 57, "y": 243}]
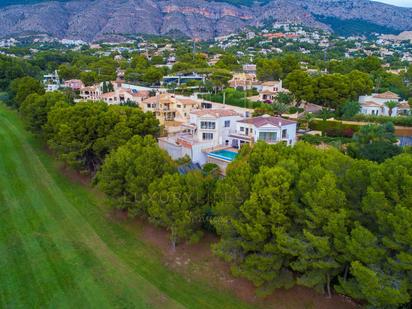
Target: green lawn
[{"x": 59, "y": 249}]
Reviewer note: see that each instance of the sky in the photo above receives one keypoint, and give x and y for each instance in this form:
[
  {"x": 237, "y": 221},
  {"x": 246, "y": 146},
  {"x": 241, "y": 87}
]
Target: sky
[{"x": 406, "y": 3}]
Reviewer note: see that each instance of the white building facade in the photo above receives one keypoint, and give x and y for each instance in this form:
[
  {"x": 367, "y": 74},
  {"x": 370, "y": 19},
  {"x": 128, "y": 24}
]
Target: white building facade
[
  {"x": 265, "y": 128},
  {"x": 207, "y": 129},
  {"x": 212, "y": 130},
  {"x": 375, "y": 104}
]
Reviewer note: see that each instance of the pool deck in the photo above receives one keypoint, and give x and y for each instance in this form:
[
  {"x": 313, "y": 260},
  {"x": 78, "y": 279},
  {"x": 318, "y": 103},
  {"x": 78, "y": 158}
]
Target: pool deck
[
  {"x": 222, "y": 157},
  {"x": 220, "y": 147}
]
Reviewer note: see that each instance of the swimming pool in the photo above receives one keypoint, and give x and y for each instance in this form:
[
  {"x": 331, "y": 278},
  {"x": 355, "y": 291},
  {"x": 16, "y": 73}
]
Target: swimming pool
[{"x": 224, "y": 154}]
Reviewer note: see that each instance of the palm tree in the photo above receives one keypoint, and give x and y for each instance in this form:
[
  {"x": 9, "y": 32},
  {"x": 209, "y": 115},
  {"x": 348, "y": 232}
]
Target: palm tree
[
  {"x": 308, "y": 117},
  {"x": 391, "y": 105}
]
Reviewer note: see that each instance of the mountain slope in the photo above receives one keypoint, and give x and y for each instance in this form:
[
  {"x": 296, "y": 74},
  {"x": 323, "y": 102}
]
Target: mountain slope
[{"x": 93, "y": 20}]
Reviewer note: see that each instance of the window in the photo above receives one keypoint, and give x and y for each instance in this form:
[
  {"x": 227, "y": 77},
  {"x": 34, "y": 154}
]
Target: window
[
  {"x": 242, "y": 129},
  {"x": 207, "y": 125},
  {"x": 251, "y": 130},
  {"x": 268, "y": 136},
  {"x": 179, "y": 106},
  {"x": 284, "y": 133},
  {"x": 207, "y": 136},
  {"x": 227, "y": 123}
]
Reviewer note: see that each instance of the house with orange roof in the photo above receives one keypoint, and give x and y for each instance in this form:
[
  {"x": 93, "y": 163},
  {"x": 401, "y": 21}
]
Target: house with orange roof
[
  {"x": 170, "y": 109},
  {"x": 74, "y": 84},
  {"x": 243, "y": 81},
  {"x": 90, "y": 93},
  {"x": 269, "y": 90},
  {"x": 123, "y": 95}
]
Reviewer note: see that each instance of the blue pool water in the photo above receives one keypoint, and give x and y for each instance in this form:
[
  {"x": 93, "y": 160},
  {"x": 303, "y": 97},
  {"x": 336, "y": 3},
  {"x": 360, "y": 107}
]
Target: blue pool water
[{"x": 224, "y": 154}]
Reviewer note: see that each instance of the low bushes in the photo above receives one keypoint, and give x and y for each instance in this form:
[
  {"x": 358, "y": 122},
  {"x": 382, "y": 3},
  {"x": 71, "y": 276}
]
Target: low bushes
[
  {"x": 399, "y": 120},
  {"x": 334, "y": 128},
  {"x": 317, "y": 139}
]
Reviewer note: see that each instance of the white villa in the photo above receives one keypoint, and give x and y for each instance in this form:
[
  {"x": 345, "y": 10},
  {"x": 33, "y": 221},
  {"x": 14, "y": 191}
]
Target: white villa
[
  {"x": 215, "y": 135},
  {"x": 375, "y": 104},
  {"x": 266, "y": 128},
  {"x": 206, "y": 129},
  {"x": 51, "y": 82}
]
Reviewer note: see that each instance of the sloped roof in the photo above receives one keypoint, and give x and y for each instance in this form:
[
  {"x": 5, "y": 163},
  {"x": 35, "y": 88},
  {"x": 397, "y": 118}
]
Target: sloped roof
[
  {"x": 162, "y": 98},
  {"x": 312, "y": 108},
  {"x": 386, "y": 95},
  {"x": 271, "y": 83},
  {"x": 216, "y": 112},
  {"x": 266, "y": 119},
  {"x": 371, "y": 104},
  {"x": 187, "y": 101},
  {"x": 108, "y": 95},
  {"x": 404, "y": 105}
]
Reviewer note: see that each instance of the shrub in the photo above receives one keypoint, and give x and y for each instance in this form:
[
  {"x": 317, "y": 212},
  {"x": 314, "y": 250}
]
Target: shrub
[
  {"x": 334, "y": 128},
  {"x": 399, "y": 120}
]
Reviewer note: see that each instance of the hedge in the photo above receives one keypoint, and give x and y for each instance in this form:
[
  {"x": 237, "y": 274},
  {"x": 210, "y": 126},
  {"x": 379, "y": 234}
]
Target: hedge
[
  {"x": 405, "y": 121},
  {"x": 316, "y": 139},
  {"x": 334, "y": 128}
]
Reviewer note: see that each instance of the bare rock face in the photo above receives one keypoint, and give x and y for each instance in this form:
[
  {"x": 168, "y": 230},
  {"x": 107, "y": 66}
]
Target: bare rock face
[{"x": 92, "y": 20}]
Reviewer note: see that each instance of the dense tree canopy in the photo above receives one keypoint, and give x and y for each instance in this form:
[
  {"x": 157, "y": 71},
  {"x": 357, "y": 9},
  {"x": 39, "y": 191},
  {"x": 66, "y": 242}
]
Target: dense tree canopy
[
  {"x": 21, "y": 88},
  {"x": 83, "y": 134},
  {"x": 317, "y": 218},
  {"x": 36, "y": 107},
  {"x": 128, "y": 172}
]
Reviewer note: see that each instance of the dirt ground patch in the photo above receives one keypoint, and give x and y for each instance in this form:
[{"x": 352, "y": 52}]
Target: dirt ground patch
[{"x": 197, "y": 262}]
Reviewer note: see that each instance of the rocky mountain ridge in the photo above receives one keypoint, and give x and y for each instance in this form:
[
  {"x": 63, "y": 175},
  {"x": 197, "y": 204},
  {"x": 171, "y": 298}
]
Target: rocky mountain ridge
[{"x": 93, "y": 20}]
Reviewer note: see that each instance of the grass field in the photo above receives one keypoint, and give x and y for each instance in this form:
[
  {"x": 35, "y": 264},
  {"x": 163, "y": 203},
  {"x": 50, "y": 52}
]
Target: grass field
[{"x": 59, "y": 249}]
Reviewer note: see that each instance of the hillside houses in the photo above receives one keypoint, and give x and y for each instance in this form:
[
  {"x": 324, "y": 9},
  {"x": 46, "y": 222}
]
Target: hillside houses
[{"x": 120, "y": 93}]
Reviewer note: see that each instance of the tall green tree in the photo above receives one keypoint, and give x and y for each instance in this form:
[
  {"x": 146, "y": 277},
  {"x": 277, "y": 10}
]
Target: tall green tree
[
  {"x": 22, "y": 87},
  {"x": 127, "y": 173},
  {"x": 180, "y": 204},
  {"x": 36, "y": 107},
  {"x": 268, "y": 69}
]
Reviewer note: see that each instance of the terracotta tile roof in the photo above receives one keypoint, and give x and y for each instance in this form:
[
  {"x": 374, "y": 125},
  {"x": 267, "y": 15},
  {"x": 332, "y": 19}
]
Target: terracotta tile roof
[
  {"x": 188, "y": 101},
  {"x": 266, "y": 119},
  {"x": 271, "y": 83},
  {"x": 162, "y": 98},
  {"x": 267, "y": 92},
  {"x": 216, "y": 112},
  {"x": 108, "y": 95},
  {"x": 371, "y": 104},
  {"x": 74, "y": 81},
  {"x": 89, "y": 88},
  {"x": 143, "y": 93},
  {"x": 404, "y": 105},
  {"x": 312, "y": 108},
  {"x": 386, "y": 95}
]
